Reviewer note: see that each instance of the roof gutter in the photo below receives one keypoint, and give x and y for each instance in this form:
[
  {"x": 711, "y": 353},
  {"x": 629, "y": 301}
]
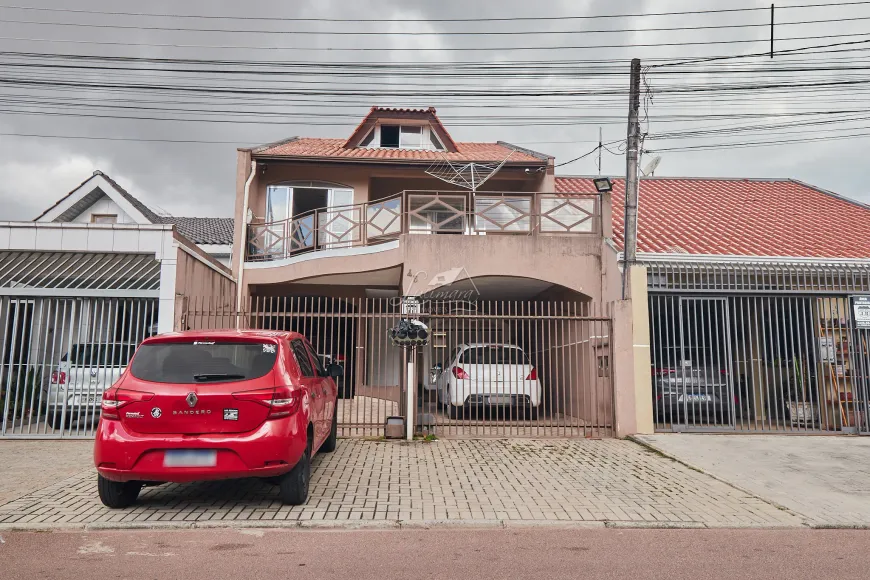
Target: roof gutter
[
  {"x": 242, "y": 245},
  {"x": 382, "y": 161},
  {"x": 745, "y": 260}
]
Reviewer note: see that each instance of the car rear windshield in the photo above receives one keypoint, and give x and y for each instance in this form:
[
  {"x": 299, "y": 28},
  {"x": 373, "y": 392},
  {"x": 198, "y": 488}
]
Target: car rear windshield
[
  {"x": 104, "y": 355},
  {"x": 202, "y": 362},
  {"x": 494, "y": 355}
]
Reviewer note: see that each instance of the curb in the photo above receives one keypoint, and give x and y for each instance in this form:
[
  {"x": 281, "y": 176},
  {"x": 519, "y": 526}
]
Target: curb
[
  {"x": 663, "y": 453},
  {"x": 396, "y": 525}
]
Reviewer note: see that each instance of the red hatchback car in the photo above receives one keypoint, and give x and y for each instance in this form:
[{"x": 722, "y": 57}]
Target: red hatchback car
[{"x": 205, "y": 405}]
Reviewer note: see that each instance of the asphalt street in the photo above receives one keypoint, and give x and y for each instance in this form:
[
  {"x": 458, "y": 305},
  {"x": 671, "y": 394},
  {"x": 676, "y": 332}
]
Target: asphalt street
[{"x": 231, "y": 554}]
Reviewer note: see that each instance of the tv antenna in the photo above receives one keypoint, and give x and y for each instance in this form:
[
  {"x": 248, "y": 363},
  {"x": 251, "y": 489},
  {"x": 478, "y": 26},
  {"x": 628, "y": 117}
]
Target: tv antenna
[
  {"x": 650, "y": 168},
  {"x": 469, "y": 175}
]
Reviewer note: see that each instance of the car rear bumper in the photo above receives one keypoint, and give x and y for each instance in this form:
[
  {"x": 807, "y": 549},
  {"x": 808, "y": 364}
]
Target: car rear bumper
[
  {"x": 667, "y": 407},
  {"x": 463, "y": 392},
  {"x": 270, "y": 450}
]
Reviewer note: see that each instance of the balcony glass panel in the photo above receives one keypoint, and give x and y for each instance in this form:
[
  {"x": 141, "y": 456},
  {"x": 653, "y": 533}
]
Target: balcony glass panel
[
  {"x": 502, "y": 214},
  {"x": 567, "y": 214}
]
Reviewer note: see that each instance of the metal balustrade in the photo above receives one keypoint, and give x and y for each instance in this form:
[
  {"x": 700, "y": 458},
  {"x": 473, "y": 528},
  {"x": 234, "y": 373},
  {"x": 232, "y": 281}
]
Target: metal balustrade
[{"x": 425, "y": 212}]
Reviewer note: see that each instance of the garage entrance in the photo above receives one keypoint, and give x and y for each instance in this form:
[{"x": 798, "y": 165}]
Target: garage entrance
[
  {"x": 491, "y": 368},
  {"x": 768, "y": 349}
]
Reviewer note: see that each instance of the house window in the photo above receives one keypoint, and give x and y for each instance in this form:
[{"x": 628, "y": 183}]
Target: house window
[
  {"x": 390, "y": 136},
  {"x": 411, "y": 138},
  {"x": 104, "y": 218}
]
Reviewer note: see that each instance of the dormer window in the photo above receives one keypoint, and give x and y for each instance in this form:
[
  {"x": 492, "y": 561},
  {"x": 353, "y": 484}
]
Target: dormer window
[
  {"x": 402, "y": 137},
  {"x": 390, "y": 136}
]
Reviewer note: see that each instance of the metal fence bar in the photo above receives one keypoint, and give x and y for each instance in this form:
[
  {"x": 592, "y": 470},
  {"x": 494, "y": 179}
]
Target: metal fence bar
[{"x": 792, "y": 363}]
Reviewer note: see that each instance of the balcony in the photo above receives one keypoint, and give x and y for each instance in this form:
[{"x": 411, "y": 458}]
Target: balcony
[{"x": 425, "y": 212}]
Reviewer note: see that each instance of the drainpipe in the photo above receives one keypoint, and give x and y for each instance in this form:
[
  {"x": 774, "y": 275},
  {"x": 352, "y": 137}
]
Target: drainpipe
[{"x": 243, "y": 245}]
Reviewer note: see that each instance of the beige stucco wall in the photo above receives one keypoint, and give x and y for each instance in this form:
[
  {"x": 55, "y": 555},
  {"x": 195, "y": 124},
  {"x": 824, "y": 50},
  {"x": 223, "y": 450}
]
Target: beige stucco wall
[
  {"x": 631, "y": 360},
  {"x": 201, "y": 279},
  {"x": 569, "y": 261}
]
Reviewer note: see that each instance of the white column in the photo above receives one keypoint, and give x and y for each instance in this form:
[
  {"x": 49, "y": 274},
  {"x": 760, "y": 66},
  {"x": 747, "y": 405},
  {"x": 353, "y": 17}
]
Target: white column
[
  {"x": 168, "y": 262},
  {"x": 410, "y": 397}
]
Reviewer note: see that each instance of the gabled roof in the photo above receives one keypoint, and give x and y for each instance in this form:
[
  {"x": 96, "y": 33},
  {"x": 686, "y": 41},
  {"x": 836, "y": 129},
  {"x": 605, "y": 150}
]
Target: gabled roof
[
  {"x": 378, "y": 113},
  {"x": 102, "y": 185},
  {"x": 747, "y": 217},
  {"x": 334, "y": 149},
  {"x": 198, "y": 230},
  {"x": 218, "y": 231}
]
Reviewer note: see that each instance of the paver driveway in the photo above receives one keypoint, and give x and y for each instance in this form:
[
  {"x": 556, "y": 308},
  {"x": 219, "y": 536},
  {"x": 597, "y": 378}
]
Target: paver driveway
[{"x": 474, "y": 481}]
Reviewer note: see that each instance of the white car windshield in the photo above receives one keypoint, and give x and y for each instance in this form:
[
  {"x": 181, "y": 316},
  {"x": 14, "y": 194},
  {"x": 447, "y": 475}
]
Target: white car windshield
[{"x": 493, "y": 354}]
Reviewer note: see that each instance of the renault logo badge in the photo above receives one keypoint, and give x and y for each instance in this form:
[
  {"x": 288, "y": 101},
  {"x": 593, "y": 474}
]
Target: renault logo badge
[{"x": 191, "y": 400}]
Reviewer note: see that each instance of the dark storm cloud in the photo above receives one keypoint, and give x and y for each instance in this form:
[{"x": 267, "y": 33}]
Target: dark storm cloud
[{"x": 198, "y": 179}]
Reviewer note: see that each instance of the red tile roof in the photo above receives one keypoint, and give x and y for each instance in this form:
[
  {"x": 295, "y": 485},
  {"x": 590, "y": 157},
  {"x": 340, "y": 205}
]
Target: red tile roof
[
  {"x": 739, "y": 217},
  {"x": 334, "y": 149}
]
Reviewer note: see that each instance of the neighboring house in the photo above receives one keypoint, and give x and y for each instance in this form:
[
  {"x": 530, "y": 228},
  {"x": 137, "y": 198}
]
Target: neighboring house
[
  {"x": 758, "y": 290},
  {"x": 88, "y": 280},
  {"x": 100, "y": 200}
]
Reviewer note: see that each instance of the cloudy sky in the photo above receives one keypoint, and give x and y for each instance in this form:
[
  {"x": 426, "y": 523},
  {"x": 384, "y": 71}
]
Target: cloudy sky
[{"x": 178, "y": 155}]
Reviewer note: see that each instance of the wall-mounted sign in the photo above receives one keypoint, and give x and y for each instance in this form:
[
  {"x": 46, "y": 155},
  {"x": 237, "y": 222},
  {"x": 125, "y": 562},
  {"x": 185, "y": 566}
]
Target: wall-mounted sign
[{"x": 861, "y": 311}]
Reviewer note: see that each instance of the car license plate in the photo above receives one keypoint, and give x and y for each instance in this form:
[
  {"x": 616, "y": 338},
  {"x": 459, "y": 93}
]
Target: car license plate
[
  {"x": 499, "y": 400},
  {"x": 695, "y": 398},
  {"x": 190, "y": 458}
]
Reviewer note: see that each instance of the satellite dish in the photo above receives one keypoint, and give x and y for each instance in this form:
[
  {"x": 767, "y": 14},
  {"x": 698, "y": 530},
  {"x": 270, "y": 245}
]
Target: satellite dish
[
  {"x": 467, "y": 175},
  {"x": 651, "y": 166},
  {"x": 249, "y": 217}
]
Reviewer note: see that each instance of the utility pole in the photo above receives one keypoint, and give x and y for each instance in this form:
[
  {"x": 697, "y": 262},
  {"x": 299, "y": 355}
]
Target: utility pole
[
  {"x": 600, "y": 146},
  {"x": 631, "y": 180}
]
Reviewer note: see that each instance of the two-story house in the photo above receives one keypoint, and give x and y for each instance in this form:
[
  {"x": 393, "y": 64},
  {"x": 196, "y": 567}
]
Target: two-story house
[{"x": 334, "y": 232}]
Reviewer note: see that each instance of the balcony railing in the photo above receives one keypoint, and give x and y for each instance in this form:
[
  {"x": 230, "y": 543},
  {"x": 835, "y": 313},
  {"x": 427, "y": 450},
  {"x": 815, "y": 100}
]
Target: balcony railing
[{"x": 425, "y": 212}]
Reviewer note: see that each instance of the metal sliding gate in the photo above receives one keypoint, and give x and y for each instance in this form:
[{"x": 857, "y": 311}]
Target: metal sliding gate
[
  {"x": 59, "y": 355},
  {"x": 491, "y": 368},
  {"x": 735, "y": 352}
]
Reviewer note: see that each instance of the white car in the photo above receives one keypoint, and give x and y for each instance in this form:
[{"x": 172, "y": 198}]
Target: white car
[
  {"x": 75, "y": 388},
  {"x": 490, "y": 375}
]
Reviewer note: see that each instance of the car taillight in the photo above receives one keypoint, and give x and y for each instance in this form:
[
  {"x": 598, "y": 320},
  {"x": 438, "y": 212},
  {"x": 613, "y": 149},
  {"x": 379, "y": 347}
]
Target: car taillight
[
  {"x": 459, "y": 373},
  {"x": 58, "y": 378},
  {"x": 533, "y": 376},
  {"x": 281, "y": 401},
  {"x": 116, "y": 399}
]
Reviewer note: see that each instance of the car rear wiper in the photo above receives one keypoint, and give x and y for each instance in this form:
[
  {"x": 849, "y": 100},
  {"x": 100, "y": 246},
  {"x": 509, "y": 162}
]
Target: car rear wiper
[{"x": 216, "y": 376}]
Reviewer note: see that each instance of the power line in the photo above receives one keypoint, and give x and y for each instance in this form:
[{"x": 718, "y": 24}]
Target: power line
[
  {"x": 428, "y": 33},
  {"x": 383, "y": 20},
  {"x": 424, "y": 49}
]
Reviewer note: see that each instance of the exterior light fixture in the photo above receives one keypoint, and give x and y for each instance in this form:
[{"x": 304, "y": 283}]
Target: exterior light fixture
[{"x": 602, "y": 184}]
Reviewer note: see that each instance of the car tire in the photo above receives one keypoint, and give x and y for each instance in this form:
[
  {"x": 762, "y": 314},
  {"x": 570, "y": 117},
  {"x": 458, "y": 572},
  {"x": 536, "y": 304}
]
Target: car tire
[
  {"x": 117, "y": 494},
  {"x": 528, "y": 413},
  {"x": 54, "y": 420},
  {"x": 455, "y": 411},
  {"x": 332, "y": 441},
  {"x": 293, "y": 486}
]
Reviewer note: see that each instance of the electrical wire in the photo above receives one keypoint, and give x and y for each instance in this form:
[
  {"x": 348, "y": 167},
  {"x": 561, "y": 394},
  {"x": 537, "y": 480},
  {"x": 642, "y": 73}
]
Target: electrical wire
[{"x": 276, "y": 18}]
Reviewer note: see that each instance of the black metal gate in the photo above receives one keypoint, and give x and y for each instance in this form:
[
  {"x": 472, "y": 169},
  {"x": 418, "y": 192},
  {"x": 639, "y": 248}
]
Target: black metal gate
[
  {"x": 491, "y": 368},
  {"x": 759, "y": 363}
]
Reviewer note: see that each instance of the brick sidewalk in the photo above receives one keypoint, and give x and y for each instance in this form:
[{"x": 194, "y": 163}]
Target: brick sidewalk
[{"x": 466, "y": 481}]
